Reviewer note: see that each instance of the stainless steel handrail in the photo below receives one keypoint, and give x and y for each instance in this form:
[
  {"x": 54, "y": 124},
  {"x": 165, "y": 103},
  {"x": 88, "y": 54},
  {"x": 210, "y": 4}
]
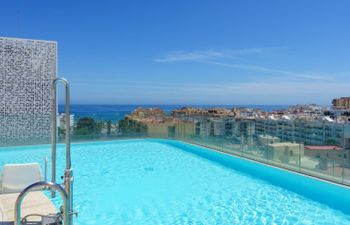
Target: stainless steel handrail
[
  {"x": 54, "y": 126},
  {"x": 45, "y": 169},
  {"x": 68, "y": 173},
  {"x": 42, "y": 184}
]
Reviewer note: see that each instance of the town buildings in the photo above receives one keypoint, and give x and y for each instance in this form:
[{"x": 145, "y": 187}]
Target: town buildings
[
  {"x": 61, "y": 121},
  {"x": 305, "y": 124},
  {"x": 341, "y": 103},
  {"x": 282, "y": 135}
]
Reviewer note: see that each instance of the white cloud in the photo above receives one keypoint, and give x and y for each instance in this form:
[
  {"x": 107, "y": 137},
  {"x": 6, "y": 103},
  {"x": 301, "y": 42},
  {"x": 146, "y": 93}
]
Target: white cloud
[
  {"x": 220, "y": 58},
  {"x": 240, "y": 93},
  {"x": 274, "y": 86},
  {"x": 178, "y": 56},
  {"x": 227, "y": 93},
  {"x": 189, "y": 56},
  {"x": 308, "y": 76}
]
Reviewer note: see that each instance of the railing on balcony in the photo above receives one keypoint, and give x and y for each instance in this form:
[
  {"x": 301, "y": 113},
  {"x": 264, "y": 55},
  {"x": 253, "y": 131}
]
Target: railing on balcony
[{"x": 295, "y": 147}]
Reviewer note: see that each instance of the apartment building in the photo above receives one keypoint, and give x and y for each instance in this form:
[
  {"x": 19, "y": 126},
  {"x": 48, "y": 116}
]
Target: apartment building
[
  {"x": 316, "y": 132},
  {"x": 312, "y": 132},
  {"x": 341, "y": 103}
]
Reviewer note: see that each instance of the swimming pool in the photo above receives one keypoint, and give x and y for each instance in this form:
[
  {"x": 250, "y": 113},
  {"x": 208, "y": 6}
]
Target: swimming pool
[{"x": 170, "y": 182}]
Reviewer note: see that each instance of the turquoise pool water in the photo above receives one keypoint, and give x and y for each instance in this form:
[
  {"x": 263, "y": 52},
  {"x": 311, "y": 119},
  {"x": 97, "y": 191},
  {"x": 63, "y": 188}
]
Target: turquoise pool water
[{"x": 168, "y": 182}]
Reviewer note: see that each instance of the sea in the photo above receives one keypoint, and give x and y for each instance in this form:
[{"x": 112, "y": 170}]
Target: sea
[{"x": 118, "y": 112}]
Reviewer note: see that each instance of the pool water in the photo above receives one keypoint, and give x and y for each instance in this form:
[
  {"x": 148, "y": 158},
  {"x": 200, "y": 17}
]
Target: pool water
[{"x": 163, "y": 182}]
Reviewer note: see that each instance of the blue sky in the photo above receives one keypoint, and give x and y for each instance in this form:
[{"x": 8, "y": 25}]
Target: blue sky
[{"x": 193, "y": 52}]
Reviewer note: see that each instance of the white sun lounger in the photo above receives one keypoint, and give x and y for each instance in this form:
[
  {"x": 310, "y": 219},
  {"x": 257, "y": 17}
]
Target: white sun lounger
[{"x": 16, "y": 177}]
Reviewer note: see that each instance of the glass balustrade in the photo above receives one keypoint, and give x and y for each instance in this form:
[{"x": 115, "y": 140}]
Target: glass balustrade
[{"x": 312, "y": 149}]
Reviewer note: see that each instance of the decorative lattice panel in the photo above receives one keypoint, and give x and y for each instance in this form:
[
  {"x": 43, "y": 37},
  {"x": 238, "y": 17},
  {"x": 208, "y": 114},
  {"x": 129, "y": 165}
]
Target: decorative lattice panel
[{"x": 27, "y": 68}]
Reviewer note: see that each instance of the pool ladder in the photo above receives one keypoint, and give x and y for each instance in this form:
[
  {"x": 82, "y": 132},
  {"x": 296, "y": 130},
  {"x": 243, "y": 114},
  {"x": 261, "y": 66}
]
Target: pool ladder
[{"x": 65, "y": 190}]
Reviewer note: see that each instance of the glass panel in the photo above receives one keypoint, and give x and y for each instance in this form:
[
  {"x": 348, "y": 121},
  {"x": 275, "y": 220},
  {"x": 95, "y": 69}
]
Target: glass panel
[
  {"x": 346, "y": 177},
  {"x": 323, "y": 167},
  {"x": 318, "y": 149}
]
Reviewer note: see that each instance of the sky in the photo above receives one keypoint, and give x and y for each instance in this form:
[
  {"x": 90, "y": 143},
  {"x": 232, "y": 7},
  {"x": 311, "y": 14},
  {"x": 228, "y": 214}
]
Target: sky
[{"x": 271, "y": 52}]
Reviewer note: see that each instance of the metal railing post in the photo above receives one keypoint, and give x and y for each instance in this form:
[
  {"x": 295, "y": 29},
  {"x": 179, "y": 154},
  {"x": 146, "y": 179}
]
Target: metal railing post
[
  {"x": 45, "y": 168},
  {"x": 68, "y": 174},
  {"x": 54, "y": 135}
]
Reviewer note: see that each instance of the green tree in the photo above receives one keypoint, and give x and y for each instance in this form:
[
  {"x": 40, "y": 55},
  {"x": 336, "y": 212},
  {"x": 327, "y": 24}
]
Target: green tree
[
  {"x": 330, "y": 142},
  {"x": 99, "y": 127},
  {"x": 86, "y": 126},
  {"x": 128, "y": 126},
  {"x": 61, "y": 131},
  {"x": 109, "y": 127}
]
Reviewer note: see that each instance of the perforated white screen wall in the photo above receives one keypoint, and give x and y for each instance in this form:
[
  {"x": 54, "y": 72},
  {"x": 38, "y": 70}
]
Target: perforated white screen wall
[{"x": 27, "y": 68}]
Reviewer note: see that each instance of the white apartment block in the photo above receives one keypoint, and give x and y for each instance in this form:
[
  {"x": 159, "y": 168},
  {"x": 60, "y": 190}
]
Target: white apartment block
[{"x": 315, "y": 132}]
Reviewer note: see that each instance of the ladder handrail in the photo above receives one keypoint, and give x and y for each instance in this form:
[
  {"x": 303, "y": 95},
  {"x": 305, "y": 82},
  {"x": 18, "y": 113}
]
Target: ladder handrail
[
  {"x": 54, "y": 126},
  {"x": 68, "y": 173},
  {"x": 42, "y": 184},
  {"x": 45, "y": 169}
]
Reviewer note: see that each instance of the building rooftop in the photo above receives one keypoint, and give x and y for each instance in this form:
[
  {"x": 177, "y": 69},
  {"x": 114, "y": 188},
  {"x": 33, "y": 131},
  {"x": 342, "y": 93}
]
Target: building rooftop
[{"x": 323, "y": 147}]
